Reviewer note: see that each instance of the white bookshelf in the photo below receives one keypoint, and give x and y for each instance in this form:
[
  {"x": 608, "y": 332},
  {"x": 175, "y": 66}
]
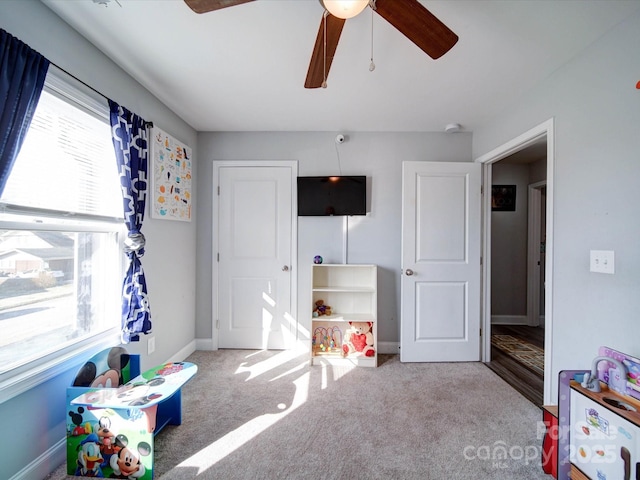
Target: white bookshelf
[{"x": 351, "y": 292}]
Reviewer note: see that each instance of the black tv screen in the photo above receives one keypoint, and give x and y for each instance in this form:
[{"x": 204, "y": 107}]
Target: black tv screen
[{"x": 338, "y": 195}]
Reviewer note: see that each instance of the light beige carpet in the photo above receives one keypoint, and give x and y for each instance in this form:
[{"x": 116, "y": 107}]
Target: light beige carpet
[{"x": 269, "y": 415}]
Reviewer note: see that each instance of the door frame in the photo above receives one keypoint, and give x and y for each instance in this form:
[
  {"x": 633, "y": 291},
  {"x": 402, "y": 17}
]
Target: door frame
[
  {"x": 217, "y": 165},
  {"x": 512, "y": 146}
]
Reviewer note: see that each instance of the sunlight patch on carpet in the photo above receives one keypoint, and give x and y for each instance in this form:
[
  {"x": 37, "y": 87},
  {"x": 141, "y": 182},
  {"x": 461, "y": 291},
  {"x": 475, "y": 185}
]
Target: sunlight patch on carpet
[
  {"x": 213, "y": 453},
  {"x": 271, "y": 363}
]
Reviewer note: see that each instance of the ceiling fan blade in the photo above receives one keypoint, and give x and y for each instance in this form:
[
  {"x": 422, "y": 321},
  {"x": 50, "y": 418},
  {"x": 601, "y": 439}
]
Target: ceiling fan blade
[
  {"x": 419, "y": 25},
  {"x": 321, "y": 63},
  {"x": 204, "y": 6}
]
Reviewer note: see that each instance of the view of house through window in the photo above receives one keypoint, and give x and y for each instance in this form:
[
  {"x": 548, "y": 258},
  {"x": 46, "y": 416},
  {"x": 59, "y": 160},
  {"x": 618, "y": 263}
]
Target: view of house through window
[
  {"x": 60, "y": 227},
  {"x": 51, "y": 286}
]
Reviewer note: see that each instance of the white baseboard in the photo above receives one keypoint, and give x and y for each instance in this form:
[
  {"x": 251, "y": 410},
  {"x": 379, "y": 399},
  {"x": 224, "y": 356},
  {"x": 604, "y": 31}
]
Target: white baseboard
[
  {"x": 509, "y": 320},
  {"x": 205, "y": 344},
  {"x": 183, "y": 353},
  {"x": 46, "y": 463}
]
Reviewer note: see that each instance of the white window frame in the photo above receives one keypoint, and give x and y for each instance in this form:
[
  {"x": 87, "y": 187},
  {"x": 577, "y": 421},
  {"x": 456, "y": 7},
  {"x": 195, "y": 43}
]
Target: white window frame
[{"x": 36, "y": 372}]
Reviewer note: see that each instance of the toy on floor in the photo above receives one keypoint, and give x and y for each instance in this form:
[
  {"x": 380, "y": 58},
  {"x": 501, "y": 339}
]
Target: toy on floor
[
  {"x": 358, "y": 339},
  {"x": 112, "y": 424}
]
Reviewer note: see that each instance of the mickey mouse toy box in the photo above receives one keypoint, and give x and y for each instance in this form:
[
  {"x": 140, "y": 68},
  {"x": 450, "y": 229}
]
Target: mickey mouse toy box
[{"x": 111, "y": 416}]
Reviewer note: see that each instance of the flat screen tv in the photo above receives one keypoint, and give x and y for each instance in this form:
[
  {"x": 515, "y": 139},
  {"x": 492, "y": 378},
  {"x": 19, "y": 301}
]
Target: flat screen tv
[{"x": 327, "y": 196}]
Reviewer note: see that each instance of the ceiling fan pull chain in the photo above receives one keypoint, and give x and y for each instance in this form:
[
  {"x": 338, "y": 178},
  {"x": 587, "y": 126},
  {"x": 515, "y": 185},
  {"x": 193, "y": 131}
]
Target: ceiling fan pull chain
[
  {"x": 324, "y": 67},
  {"x": 372, "y": 66}
]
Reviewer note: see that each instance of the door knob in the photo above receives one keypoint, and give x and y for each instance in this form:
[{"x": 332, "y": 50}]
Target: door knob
[
  {"x": 408, "y": 272},
  {"x": 285, "y": 268}
]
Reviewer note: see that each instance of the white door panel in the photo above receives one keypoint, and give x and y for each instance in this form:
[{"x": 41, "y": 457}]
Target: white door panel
[
  {"x": 254, "y": 238},
  {"x": 441, "y": 262},
  {"x": 446, "y": 305}
]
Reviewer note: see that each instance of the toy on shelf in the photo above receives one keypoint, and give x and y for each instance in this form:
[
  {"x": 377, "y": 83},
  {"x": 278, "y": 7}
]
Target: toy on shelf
[
  {"x": 359, "y": 339},
  {"x": 317, "y": 259},
  {"x": 321, "y": 309},
  {"x": 327, "y": 339},
  {"x": 631, "y": 386}
]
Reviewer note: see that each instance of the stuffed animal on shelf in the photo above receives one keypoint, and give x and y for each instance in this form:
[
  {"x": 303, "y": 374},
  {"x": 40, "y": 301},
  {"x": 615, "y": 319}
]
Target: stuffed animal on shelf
[
  {"x": 358, "y": 338},
  {"x": 321, "y": 309}
]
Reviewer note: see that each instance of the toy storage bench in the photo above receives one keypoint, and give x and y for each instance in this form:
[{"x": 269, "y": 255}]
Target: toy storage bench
[{"x": 114, "y": 412}]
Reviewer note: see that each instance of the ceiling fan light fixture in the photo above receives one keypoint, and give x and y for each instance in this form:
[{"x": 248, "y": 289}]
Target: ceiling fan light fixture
[{"x": 344, "y": 8}]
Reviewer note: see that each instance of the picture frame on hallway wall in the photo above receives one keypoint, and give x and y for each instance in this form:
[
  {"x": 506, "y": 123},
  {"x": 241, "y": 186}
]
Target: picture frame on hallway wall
[
  {"x": 503, "y": 198},
  {"x": 171, "y": 177}
]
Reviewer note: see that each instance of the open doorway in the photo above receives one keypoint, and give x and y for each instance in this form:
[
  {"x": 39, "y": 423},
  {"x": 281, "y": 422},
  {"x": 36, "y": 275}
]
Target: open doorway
[
  {"x": 517, "y": 263},
  {"x": 517, "y": 248}
]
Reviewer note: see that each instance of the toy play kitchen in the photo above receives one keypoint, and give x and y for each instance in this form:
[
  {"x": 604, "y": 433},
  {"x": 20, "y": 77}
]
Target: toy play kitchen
[{"x": 604, "y": 416}]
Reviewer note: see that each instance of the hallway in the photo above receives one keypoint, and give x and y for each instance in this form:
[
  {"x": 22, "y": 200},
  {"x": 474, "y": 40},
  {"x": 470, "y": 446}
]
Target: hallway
[{"x": 523, "y": 379}]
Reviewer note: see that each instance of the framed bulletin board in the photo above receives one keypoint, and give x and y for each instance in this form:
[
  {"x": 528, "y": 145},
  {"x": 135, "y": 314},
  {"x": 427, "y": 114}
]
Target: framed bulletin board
[
  {"x": 503, "y": 198},
  {"x": 171, "y": 177}
]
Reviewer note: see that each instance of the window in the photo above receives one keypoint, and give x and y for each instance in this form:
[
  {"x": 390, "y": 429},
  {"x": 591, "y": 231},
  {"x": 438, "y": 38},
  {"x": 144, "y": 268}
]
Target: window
[{"x": 61, "y": 225}]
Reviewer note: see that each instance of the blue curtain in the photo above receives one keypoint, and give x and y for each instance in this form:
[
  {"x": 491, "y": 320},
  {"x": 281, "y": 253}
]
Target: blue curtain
[
  {"x": 22, "y": 74},
  {"x": 129, "y": 133}
]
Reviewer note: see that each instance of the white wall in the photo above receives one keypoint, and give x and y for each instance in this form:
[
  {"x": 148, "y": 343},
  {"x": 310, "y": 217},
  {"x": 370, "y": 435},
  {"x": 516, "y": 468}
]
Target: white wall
[
  {"x": 34, "y": 422},
  {"x": 596, "y": 107},
  {"x": 372, "y": 239}
]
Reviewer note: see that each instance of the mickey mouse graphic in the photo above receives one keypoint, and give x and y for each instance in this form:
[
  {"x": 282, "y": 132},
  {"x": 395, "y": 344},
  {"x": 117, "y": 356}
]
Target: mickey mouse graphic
[
  {"x": 127, "y": 462},
  {"x": 89, "y": 375},
  {"x": 76, "y": 419},
  {"x": 139, "y": 394}
]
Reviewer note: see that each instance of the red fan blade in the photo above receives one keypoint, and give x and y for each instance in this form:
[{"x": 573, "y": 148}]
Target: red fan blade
[
  {"x": 321, "y": 60},
  {"x": 419, "y": 25},
  {"x": 204, "y": 6}
]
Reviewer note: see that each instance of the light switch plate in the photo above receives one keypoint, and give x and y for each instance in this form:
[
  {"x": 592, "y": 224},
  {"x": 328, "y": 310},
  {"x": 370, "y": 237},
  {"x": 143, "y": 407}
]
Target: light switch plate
[
  {"x": 602, "y": 261},
  {"x": 151, "y": 345}
]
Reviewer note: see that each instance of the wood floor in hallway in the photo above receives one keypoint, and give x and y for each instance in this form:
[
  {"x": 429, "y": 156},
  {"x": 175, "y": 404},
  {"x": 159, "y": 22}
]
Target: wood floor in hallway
[{"x": 524, "y": 380}]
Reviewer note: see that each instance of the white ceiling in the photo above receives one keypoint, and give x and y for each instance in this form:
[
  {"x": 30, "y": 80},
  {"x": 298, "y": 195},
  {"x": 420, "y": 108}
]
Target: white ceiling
[{"x": 243, "y": 68}]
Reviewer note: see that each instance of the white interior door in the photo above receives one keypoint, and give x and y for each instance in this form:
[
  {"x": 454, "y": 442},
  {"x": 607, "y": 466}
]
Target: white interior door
[
  {"x": 440, "y": 287},
  {"x": 255, "y": 257},
  {"x": 536, "y": 252}
]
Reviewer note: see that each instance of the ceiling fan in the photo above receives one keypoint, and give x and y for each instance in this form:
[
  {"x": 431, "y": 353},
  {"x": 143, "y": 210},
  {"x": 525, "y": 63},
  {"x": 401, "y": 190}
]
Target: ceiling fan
[{"x": 409, "y": 17}]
